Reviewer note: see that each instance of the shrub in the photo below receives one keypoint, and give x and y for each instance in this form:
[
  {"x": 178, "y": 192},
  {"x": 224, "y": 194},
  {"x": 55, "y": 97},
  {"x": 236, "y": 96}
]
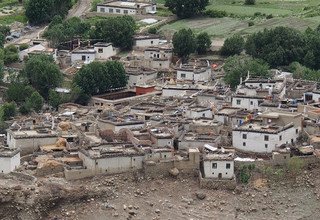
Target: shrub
[
  {"x": 269, "y": 16},
  {"x": 216, "y": 13},
  {"x": 23, "y": 47},
  {"x": 250, "y": 23},
  {"x": 250, "y": 2},
  {"x": 152, "y": 30}
]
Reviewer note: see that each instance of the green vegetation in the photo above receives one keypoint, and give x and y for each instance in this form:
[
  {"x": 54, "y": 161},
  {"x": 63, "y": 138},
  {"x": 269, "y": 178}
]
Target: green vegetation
[
  {"x": 43, "y": 11},
  {"x": 186, "y": 8},
  {"x": 245, "y": 173},
  {"x": 97, "y": 78},
  {"x": 233, "y": 45},
  {"x": 237, "y": 67},
  {"x": 203, "y": 42},
  {"x": 10, "y": 54},
  {"x": 295, "y": 165},
  {"x": 184, "y": 43},
  {"x": 118, "y": 30},
  {"x": 42, "y": 73},
  {"x": 7, "y": 110}
]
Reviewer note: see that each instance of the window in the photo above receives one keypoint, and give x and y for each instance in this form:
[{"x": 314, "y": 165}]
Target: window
[
  {"x": 251, "y": 102},
  {"x": 152, "y": 42},
  {"x": 100, "y": 50},
  {"x": 266, "y": 145},
  {"x": 101, "y": 9},
  {"x": 259, "y": 102},
  {"x": 214, "y": 165},
  {"x": 297, "y": 131},
  {"x": 110, "y": 10},
  {"x": 266, "y": 138},
  {"x": 117, "y": 10},
  {"x": 280, "y": 138},
  {"x": 228, "y": 165},
  {"x": 165, "y": 156},
  {"x": 183, "y": 75},
  {"x": 244, "y": 136},
  {"x": 204, "y": 115},
  {"x": 238, "y": 102},
  {"x": 83, "y": 58},
  {"x": 244, "y": 144},
  {"x": 125, "y": 11}
]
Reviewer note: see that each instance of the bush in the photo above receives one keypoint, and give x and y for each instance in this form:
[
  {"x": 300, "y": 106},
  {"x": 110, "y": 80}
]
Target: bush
[
  {"x": 269, "y": 16},
  {"x": 152, "y": 30},
  {"x": 295, "y": 165},
  {"x": 250, "y": 2},
  {"x": 250, "y": 23},
  {"x": 23, "y": 47},
  {"x": 212, "y": 13},
  {"x": 245, "y": 174}
]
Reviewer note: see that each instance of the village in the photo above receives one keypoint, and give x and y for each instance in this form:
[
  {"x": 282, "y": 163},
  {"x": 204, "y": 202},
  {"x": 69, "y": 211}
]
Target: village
[{"x": 174, "y": 120}]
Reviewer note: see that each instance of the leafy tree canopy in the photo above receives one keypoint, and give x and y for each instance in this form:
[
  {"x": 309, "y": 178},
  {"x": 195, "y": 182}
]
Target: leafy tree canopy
[
  {"x": 117, "y": 30},
  {"x": 35, "y": 101},
  {"x": 232, "y": 46},
  {"x": 184, "y": 43},
  {"x": 203, "y": 42},
  {"x": 278, "y": 46},
  {"x": 97, "y": 77},
  {"x": 42, "y": 11},
  {"x": 42, "y": 73},
  {"x": 186, "y": 8},
  {"x": 7, "y": 110},
  {"x": 237, "y": 67}
]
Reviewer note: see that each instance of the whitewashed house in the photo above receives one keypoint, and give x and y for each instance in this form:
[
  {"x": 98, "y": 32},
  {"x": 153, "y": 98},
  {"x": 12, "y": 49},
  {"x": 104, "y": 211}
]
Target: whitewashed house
[
  {"x": 112, "y": 158},
  {"x": 263, "y": 138},
  {"x": 247, "y": 102},
  {"x": 312, "y": 96},
  {"x": 30, "y": 140},
  {"x": 198, "y": 112},
  {"x": 127, "y": 8},
  {"x": 104, "y": 50},
  {"x": 194, "y": 72},
  {"x": 218, "y": 166},
  {"x": 9, "y": 159},
  {"x": 158, "y": 57},
  {"x": 146, "y": 40},
  {"x": 140, "y": 76},
  {"x": 86, "y": 55}
]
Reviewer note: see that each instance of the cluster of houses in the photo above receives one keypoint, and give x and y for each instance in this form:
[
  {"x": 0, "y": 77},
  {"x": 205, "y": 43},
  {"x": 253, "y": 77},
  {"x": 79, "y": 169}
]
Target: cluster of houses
[{"x": 186, "y": 122}]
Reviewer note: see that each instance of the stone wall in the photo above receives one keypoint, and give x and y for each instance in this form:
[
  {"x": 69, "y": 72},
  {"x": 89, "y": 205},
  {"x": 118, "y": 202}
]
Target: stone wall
[
  {"x": 229, "y": 184},
  {"x": 78, "y": 174}
]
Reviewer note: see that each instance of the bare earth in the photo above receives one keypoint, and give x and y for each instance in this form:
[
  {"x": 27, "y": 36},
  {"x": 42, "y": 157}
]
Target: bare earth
[{"x": 125, "y": 197}]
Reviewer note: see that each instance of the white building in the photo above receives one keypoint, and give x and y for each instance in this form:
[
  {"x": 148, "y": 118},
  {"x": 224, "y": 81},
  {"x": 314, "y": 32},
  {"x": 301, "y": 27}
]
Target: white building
[
  {"x": 198, "y": 112},
  {"x": 127, "y": 8},
  {"x": 194, "y": 73},
  {"x": 86, "y": 55},
  {"x": 30, "y": 140},
  {"x": 247, "y": 102},
  {"x": 104, "y": 50},
  {"x": 146, "y": 40},
  {"x": 219, "y": 166},
  {"x": 112, "y": 159},
  {"x": 140, "y": 76},
  {"x": 263, "y": 138},
  {"x": 116, "y": 124},
  {"x": 312, "y": 96},
  {"x": 36, "y": 49},
  {"x": 158, "y": 57},
  {"x": 9, "y": 159}
]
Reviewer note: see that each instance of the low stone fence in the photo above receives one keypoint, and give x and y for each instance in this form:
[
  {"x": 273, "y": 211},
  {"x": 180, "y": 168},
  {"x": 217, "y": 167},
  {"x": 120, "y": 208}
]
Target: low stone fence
[
  {"x": 77, "y": 174},
  {"x": 210, "y": 183}
]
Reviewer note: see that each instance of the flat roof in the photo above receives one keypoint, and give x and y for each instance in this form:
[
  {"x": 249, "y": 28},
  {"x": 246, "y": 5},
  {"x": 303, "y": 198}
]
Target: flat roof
[
  {"x": 8, "y": 152},
  {"x": 40, "y": 133}
]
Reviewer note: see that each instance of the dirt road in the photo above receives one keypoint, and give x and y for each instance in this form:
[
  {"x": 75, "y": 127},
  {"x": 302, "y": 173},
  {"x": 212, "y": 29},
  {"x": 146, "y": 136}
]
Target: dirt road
[{"x": 80, "y": 8}]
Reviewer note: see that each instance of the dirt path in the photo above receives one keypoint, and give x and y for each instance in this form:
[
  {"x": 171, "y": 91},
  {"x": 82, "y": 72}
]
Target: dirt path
[{"x": 80, "y": 8}]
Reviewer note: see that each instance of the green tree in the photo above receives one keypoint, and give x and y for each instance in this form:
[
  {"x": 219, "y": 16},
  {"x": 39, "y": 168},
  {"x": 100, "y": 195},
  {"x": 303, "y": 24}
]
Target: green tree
[
  {"x": 35, "y": 101},
  {"x": 43, "y": 11},
  {"x": 186, "y": 8},
  {"x": 7, "y": 111},
  {"x": 278, "y": 46},
  {"x": 96, "y": 77},
  {"x": 237, "y": 67},
  {"x": 54, "y": 99},
  {"x": 152, "y": 30},
  {"x": 42, "y": 73},
  {"x": 203, "y": 42},
  {"x": 184, "y": 43},
  {"x": 18, "y": 92},
  {"x": 117, "y": 30},
  {"x": 233, "y": 46}
]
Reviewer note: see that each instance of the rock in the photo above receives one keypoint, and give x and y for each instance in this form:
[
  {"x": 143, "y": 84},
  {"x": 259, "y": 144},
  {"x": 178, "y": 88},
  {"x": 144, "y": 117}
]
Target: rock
[
  {"x": 116, "y": 214},
  {"x": 124, "y": 207},
  {"x": 17, "y": 187},
  {"x": 174, "y": 172},
  {"x": 157, "y": 211},
  {"x": 132, "y": 212},
  {"x": 201, "y": 195}
]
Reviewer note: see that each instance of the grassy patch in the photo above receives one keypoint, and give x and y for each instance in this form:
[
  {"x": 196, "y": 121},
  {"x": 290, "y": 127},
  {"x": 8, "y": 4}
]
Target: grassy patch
[
  {"x": 9, "y": 19},
  {"x": 5, "y": 3}
]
